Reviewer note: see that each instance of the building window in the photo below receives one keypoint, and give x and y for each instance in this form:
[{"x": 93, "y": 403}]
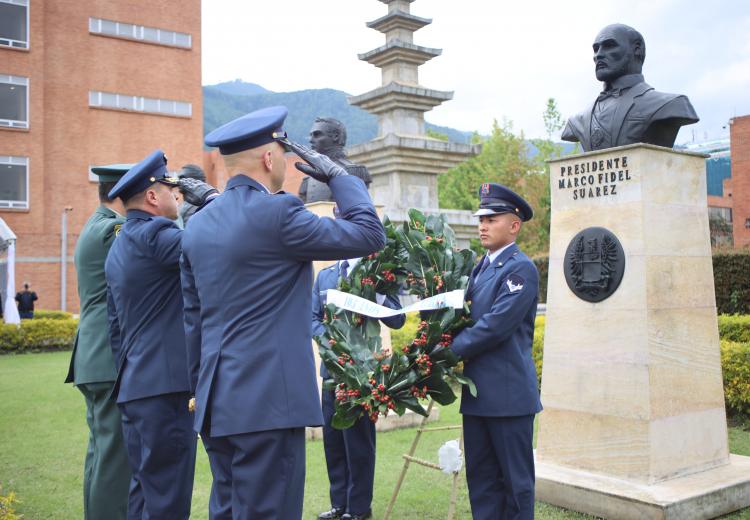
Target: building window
[
  {"x": 14, "y": 101},
  {"x": 140, "y": 104},
  {"x": 14, "y": 23},
  {"x": 719, "y": 212},
  {"x": 14, "y": 182},
  {"x": 130, "y": 31}
]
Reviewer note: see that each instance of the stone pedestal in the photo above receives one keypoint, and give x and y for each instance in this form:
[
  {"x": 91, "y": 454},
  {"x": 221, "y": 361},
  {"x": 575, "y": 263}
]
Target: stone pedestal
[{"x": 634, "y": 423}]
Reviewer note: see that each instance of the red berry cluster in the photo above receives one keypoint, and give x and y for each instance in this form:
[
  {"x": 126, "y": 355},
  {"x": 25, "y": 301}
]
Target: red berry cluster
[
  {"x": 412, "y": 280},
  {"x": 373, "y": 256},
  {"x": 438, "y": 281},
  {"x": 388, "y": 276},
  {"x": 344, "y": 359},
  {"x": 416, "y": 392},
  {"x": 422, "y": 325},
  {"x": 447, "y": 339},
  {"x": 343, "y": 394},
  {"x": 332, "y": 342},
  {"x": 425, "y": 365},
  {"x": 367, "y": 281},
  {"x": 378, "y": 392},
  {"x": 381, "y": 354},
  {"x": 421, "y": 341},
  {"x": 386, "y": 368}
]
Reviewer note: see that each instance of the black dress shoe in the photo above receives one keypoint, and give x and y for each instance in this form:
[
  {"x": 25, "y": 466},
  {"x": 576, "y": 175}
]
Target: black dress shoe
[
  {"x": 334, "y": 514},
  {"x": 362, "y": 516}
]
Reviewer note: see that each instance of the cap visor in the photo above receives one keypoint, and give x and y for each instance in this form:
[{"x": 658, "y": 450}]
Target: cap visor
[{"x": 486, "y": 211}]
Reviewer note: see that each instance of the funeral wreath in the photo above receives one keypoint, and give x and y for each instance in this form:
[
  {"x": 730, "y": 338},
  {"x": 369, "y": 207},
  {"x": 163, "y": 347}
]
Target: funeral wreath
[{"x": 420, "y": 257}]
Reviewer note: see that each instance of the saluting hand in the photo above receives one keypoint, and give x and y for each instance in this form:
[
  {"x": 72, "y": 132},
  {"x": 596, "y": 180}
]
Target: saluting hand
[
  {"x": 319, "y": 166},
  {"x": 196, "y": 192}
]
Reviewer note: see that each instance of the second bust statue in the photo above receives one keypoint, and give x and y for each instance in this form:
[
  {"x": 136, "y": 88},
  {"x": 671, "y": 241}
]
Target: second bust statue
[{"x": 328, "y": 136}]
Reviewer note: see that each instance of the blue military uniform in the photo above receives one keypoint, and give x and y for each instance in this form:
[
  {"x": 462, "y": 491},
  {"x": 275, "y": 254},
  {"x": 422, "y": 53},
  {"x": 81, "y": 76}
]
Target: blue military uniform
[
  {"x": 249, "y": 347},
  {"x": 106, "y": 474},
  {"x": 350, "y": 453},
  {"x": 148, "y": 343},
  {"x": 499, "y": 422}
]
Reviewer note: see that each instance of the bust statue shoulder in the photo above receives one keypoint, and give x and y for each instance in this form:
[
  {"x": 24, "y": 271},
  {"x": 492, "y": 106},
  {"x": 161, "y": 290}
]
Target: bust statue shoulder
[{"x": 629, "y": 110}]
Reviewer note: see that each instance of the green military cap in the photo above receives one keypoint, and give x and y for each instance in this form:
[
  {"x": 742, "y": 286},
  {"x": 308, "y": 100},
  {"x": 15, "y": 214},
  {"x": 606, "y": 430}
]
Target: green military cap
[{"x": 111, "y": 172}]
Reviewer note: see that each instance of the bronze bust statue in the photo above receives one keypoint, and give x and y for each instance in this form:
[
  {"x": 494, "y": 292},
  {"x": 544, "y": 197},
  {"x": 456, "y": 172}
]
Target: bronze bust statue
[
  {"x": 629, "y": 110},
  {"x": 328, "y": 136}
]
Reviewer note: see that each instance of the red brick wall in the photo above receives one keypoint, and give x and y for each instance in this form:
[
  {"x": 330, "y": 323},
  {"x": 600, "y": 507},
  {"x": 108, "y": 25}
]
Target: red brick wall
[
  {"x": 65, "y": 135},
  {"x": 740, "y": 150}
]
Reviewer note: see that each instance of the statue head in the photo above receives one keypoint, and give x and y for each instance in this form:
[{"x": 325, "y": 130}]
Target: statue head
[
  {"x": 618, "y": 50},
  {"x": 327, "y": 134}
]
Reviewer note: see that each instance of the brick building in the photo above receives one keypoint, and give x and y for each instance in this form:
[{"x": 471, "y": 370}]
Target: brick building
[
  {"x": 82, "y": 83},
  {"x": 740, "y": 137}
]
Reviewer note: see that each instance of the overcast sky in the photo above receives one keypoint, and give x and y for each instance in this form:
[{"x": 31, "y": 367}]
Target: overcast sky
[{"x": 502, "y": 59}]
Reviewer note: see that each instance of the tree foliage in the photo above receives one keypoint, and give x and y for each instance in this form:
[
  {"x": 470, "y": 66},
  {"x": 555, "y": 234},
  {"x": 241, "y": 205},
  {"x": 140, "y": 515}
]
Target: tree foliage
[{"x": 508, "y": 158}]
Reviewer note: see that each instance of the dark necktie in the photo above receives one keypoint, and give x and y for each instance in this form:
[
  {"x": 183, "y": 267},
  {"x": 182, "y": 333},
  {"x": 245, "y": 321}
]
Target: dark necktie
[
  {"x": 344, "y": 268},
  {"x": 485, "y": 265}
]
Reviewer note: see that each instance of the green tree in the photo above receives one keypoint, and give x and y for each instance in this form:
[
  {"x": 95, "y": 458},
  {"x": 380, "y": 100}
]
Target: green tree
[{"x": 506, "y": 159}]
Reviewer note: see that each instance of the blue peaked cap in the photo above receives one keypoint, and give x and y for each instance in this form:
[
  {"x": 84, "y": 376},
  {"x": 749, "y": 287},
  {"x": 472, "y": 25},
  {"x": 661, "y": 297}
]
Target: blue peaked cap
[
  {"x": 249, "y": 131},
  {"x": 150, "y": 170},
  {"x": 495, "y": 199}
]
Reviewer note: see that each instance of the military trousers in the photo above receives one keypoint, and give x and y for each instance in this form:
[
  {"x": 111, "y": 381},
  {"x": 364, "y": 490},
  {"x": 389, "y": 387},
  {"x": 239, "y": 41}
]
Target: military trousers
[
  {"x": 350, "y": 460},
  {"x": 161, "y": 447},
  {"x": 106, "y": 474},
  {"x": 257, "y": 475},
  {"x": 500, "y": 466}
]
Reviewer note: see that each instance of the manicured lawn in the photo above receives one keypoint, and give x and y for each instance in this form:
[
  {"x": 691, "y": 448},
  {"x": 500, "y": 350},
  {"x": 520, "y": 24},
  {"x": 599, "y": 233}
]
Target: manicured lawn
[{"x": 43, "y": 439}]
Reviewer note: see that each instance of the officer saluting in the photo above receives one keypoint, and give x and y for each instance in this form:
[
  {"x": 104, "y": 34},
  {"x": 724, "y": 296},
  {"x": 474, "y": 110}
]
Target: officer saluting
[
  {"x": 499, "y": 422},
  {"x": 148, "y": 340},
  {"x": 106, "y": 474},
  {"x": 251, "y": 361}
]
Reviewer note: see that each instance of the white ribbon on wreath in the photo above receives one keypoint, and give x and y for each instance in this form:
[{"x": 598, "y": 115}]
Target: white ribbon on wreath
[{"x": 371, "y": 309}]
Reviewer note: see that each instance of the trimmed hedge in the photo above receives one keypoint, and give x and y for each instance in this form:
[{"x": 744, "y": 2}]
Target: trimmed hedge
[
  {"x": 735, "y": 328},
  {"x": 52, "y": 315},
  {"x": 38, "y": 335},
  {"x": 542, "y": 265},
  {"x": 735, "y": 364},
  {"x": 731, "y": 280}
]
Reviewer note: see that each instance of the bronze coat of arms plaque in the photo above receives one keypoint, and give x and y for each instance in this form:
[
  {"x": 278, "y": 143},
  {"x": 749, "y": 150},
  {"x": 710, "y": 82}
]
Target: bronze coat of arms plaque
[{"x": 594, "y": 264}]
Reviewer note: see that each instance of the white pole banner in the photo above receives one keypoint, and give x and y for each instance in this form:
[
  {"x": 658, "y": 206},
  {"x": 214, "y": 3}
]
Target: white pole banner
[{"x": 359, "y": 305}]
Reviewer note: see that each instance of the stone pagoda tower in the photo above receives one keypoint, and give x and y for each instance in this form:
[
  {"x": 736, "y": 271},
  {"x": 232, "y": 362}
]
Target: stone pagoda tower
[{"x": 403, "y": 161}]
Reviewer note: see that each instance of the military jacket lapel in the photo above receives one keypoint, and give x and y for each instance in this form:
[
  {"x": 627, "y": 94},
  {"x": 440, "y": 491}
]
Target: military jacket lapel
[{"x": 491, "y": 270}]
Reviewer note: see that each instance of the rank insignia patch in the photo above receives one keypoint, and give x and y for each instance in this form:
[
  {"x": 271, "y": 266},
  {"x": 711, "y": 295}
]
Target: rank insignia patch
[{"x": 515, "y": 283}]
